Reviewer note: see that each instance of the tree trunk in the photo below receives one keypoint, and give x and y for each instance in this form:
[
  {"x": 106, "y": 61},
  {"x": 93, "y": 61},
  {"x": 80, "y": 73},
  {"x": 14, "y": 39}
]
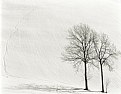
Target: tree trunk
[
  {"x": 102, "y": 77},
  {"x": 86, "y": 83}
]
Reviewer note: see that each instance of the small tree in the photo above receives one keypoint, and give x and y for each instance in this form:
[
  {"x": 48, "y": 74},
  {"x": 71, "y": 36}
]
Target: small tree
[
  {"x": 107, "y": 85},
  {"x": 105, "y": 52},
  {"x": 80, "y": 48}
]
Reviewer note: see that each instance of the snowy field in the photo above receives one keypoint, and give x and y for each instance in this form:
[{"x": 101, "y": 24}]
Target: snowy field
[
  {"x": 13, "y": 85},
  {"x": 35, "y": 34}
]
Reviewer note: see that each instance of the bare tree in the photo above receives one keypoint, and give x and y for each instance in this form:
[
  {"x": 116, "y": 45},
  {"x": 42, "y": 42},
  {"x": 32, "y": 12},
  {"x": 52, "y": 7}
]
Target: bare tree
[
  {"x": 105, "y": 53},
  {"x": 80, "y": 50}
]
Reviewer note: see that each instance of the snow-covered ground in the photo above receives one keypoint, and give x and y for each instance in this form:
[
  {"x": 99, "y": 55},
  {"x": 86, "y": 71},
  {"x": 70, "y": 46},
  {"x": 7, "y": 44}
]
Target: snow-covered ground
[
  {"x": 13, "y": 85},
  {"x": 36, "y": 34}
]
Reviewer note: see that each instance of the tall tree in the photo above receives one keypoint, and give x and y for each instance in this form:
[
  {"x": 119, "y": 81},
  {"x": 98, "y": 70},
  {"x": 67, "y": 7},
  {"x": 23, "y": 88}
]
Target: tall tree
[
  {"x": 105, "y": 52},
  {"x": 80, "y": 48}
]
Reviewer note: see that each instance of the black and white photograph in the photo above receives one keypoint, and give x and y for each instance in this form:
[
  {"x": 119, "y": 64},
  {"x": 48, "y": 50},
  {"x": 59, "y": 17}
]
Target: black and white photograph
[{"x": 61, "y": 47}]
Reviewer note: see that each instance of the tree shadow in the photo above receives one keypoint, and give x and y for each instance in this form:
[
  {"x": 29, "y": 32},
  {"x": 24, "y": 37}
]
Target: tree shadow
[
  {"x": 77, "y": 90},
  {"x": 47, "y": 88}
]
